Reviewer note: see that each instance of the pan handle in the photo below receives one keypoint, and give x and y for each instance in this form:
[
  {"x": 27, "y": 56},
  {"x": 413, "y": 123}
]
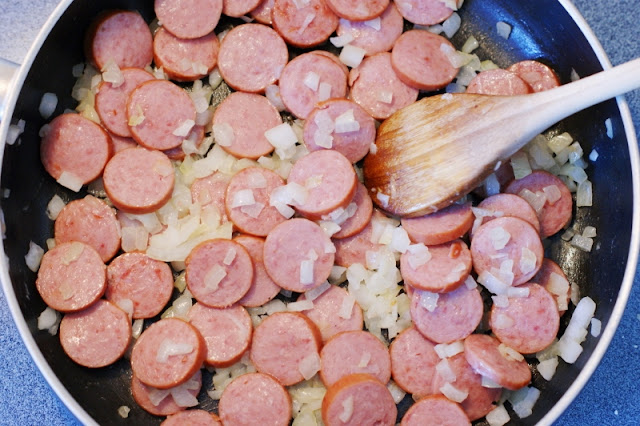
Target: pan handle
[{"x": 7, "y": 71}]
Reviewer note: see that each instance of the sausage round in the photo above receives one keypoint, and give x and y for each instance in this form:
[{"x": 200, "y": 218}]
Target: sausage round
[
  {"x": 361, "y": 217},
  {"x": 371, "y": 39},
  {"x": 262, "y": 13},
  {"x": 173, "y": 53},
  {"x": 435, "y": 410},
  {"x": 146, "y": 282},
  {"x": 121, "y": 36},
  {"x": 354, "y": 145},
  {"x": 330, "y": 180},
  {"x": 97, "y": 336},
  {"x": 375, "y": 86},
  {"x": 119, "y": 143},
  {"x": 293, "y": 246},
  {"x": 536, "y": 74},
  {"x": 498, "y": 82},
  {"x": 281, "y": 343},
  {"x": 160, "y": 402},
  {"x": 111, "y": 102},
  {"x": 168, "y": 353},
  {"x": 72, "y": 277},
  {"x": 307, "y": 26},
  {"x": 418, "y": 60},
  {"x": 552, "y": 278},
  {"x": 249, "y": 115},
  {"x": 238, "y": 8},
  {"x": 301, "y": 99},
  {"x": 523, "y": 247},
  {"x": 355, "y": 10},
  {"x": 413, "y": 362},
  {"x": 370, "y": 400},
  {"x": 262, "y": 289},
  {"x": 424, "y": 12},
  {"x": 90, "y": 221},
  {"x": 243, "y": 401},
  {"x": 251, "y": 57},
  {"x": 75, "y": 145},
  {"x": 227, "y": 332},
  {"x": 326, "y": 310},
  {"x": 188, "y": 18},
  {"x": 192, "y": 418},
  {"x": 149, "y": 102},
  {"x": 139, "y": 180},
  {"x": 351, "y": 352},
  {"x": 512, "y": 206},
  {"x": 457, "y": 314},
  {"x": 528, "y": 324},
  {"x": 441, "y": 227},
  {"x": 219, "y": 272}
]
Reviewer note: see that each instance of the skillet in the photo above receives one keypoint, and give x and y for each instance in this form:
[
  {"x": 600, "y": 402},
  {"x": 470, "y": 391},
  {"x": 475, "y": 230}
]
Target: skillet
[{"x": 603, "y": 275}]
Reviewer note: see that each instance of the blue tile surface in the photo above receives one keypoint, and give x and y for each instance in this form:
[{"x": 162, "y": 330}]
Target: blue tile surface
[{"x": 612, "y": 395}]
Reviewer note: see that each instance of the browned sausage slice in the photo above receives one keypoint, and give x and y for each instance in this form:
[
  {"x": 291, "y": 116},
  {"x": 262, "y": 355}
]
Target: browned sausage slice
[
  {"x": 435, "y": 410},
  {"x": 219, "y": 272},
  {"x": 441, "y": 227},
  {"x": 263, "y": 289},
  {"x": 284, "y": 345},
  {"x": 227, "y": 332},
  {"x": 413, "y": 362},
  {"x": 537, "y": 75},
  {"x": 251, "y": 57},
  {"x": 298, "y": 255},
  {"x": 90, "y": 221},
  {"x": 358, "y": 399},
  {"x": 185, "y": 59},
  {"x": 161, "y": 402},
  {"x": 192, "y": 418},
  {"x": 327, "y": 312},
  {"x": 139, "y": 180},
  {"x": 355, "y": 10},
  {"x": 255, "y": 398},
  {"x": 188, "y": 18},
  {"x": 72, "y": 276},
  {"x": 146, "y": 282},
  {"x": 305, "y": 26},
  {"x": 498, "y": 82},
  {"x": 167, "y": 353},
  {"x": 97, "y": 336}
]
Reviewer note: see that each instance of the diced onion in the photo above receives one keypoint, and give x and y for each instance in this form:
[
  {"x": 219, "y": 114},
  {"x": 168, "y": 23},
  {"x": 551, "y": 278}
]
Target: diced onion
[
  {"x": 523, "y": 401},
  {"x": 470, "y": 45},
  {"x": 528, "y": 260},
  {"x": 609, "y": 128},
  {"x": 584, "y": 194},
  {"x": 272, "y": 92},
  {"x": 169, "y": 348},
  {"x": 453, "y": 393},
  {"x": 428, "y": 300},
  {"x": 214, "y": 276},
  {"x": 244, "y": 197},
  {"x": 123, "y": 411},
  {"x": 229, "y": 256},
  {"x": 324, "y": 91},
  {"x": 346, "y": 307},
  {"x": 593, "y": 156},
  {"x": 418, "y": 255},
  {"x": 184, "y": 128},
  {"x": 509, "y": 353},
  {"x": 583, "y": 243},
  {"x": 347, "y": 409},
  {"x": 547, "y": 368},
  {"x": 342, "y": 40},
  {"x": 306, "y": 271},
  {"x": 15, "y": 130},
  {"x": 352, "y": 56},
  {"x": 396, "y": 392},
  {"x": 503, "y": 29},
  {"x": 596, "y": 327},
  {"x": 71, "y": 181},
  {"x": 498, "y": 416},
  {"x": 48, "y": 105},
  {"x": 499, "y": 238},
  {"x": 111, "y": 73},
  {"x": 311, "y": 80},
  {"x": 49, "y": 319},
  {"x": 308, "y": 19},
  {"x": 315, "y": 292},
  {"x": 491, "y": 283},
  {"x": 500, "y": 300},
  {"x": 300, "y": 305},
  {"x": 444, "y": 370},
  {"x": 373, "y": 23},
  {"x": 346, "y": 123},
  {"x": 451, "y": 25},
  {"x": 223, "y": 134},
  {"x": 385, "y": 96}
]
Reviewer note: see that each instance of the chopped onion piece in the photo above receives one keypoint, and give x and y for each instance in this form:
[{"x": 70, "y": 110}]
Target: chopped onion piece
[
  {"x": 500, "y": 300},
  {"x": 48, "y": 105},
  {"x": 428, "y": 300},
  {"x": 329, "y": 227},
  {"x": 373, "y": 23},
  {"x": 453, "y": 393},
  {"x": 383, "y": 198},
  {"x": 136, "y": 328},
  {"x": 111, "y": 74},
  {"x": 470, "y": 283},
  {"x": 229, "y": 256},
  {"x": 516, "y": 292},
  {"x": 312, "y": 80},
  {"x": 509, "y": 353},
  {"x": 589, "y": 232},
  {"x": 223, "y": 134},
  {"x": 499, "y": 238},
  {"x": 364, "y": 360},
  {"x": 593, "y": 156},
  {"x": 560, "y": 142},
  {"x": 184, "y": 128},
  {"x": 584, "y": 194},
  {"x": 397, "y": 392},
  {"x": 324, "y": 91},
  {"x": 123, "y": 411},
  {"x": 347, "y": 409},
  {"x": 523, "y": 401},
  {"x": 552, "y": 193},
  {"x": 308, "y": 19},
  {"x": 504, "y": 29},
  {"x": 536, "y": 200},
  {"x": 182, "y": 397},
  {"x": 385, "y": 96},
  {"x": 300, "y": 305},
  {"x": 583, "y": 243},
  {"x": 346, "y": 123},
  {"x": 169, "y": 348},
  {"x": 15, "y": 130},
  {"x": 71, "y": 181},
  {"x": 309, "y": 365},
  {"x": 312, "y": 294},
  {"x": 54, "y": 207},
  {"x": 342, "y": 40},
  {"x": 444, "y": 370},
  {"x": 470, "y": 45},
  {"x": 214, "y": 276},
  {"x": 300, "y": 4},
  {"x": 244, "y": 197},
  {"x": 400, "y": 241},
  {"x": 306, "y": 272},
  {"x": 447, "y": 350},
  {"x": 520, "y": 164},
  {"x": 272, "y": 92},
  {"x": 547, "y": 368},
  {"x": 491, "y": 283},
  {"x": 503, "y": 321},
  {"x": 596, "y": 327},
  {"x": 418, "y": 255},
  {"x": 281, "y": 137},
  {"x": 373, "y": 149},
  {"x": 498, "y": 416},
  {"x": 528, "y": 260},
  {"x": 488, "y": 383},
  {"x": 49, "y": 319},
  {"x": 352, "y": 56},
  {"x": 346, "y": 308},
  {"x": 73, "y": 254},
  {"x": 451, "y": 25},
  {"x": 609, "y": 127}
]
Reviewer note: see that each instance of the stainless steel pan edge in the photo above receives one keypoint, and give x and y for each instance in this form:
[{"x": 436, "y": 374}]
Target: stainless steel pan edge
[{"x": 15, "y": 86}]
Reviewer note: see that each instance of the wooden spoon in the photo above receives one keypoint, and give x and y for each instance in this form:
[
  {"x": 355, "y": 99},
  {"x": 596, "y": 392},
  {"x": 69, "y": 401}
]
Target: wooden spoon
[{"x": 438, "y": 149}]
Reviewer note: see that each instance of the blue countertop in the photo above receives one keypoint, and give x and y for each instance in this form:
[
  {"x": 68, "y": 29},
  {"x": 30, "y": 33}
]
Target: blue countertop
[{"x": 612, "y": 395}]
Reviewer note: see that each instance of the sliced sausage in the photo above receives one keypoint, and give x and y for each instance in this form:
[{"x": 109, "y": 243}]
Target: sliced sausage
[
  {"x": 72, "y": 277},
  {"x": 510, "y": 205},
  {"x": 210, "y": 190},
  {"x": 282, "y": 344},
  {"x": 196, "y": 136},
  {"x": 353, "y": 352},
  {"x": 354, "y": 249},
  {"x": 480, "y": 400},
  {"x": 498, "y": 82},
  {"x": 243, "y": 401},
  {"x": 90, "y": 221},
  {"x": 188, "y": 18},
  {"x": 327, "y": 312},
  {"x": 305, "y": 26},
  {"x": 456, "y": 315},
  {"x": 238, "y": 8},
  {"x": 528, "y": 324},
  {"x": 355, "y": 10},
  {"x": 321, "y": 124},
  {"x": 424, "y": 12},
  {"x": 192, "y": 418},
  {"x": 375, "y": 86},
  {"x": 139, "y": 180},
  {"x": 484, "y": 356},
  {"x": 262, "y": 289},
  {"x": 251, "y": 57},
  {"x": 185, "y": 59},
  {"x": 361, "y": 217},
  {"x": 97, "y": 336},
  {"x": 249, "y": 116},
  {"x": 219, "y": 272},
  {"x": 121, "y": 36},
  {"x": 262, "y": 13},
  {"x": 419, "y": 61},
  {"x": 111, "y": 102},
  {"x": 167, "y": 353},
  {"x": 367, "y": 36},
  {"x": 298, "y": 97},
  {"x": 536, "y": 74},
  {"x": 161, "y": 402},
  {"x": 298, "y": 255},
  {"x": 507, "y": 239},
  {"x": 553, "y": 279},
  {"x": 257, "y": 218},
  {"x": 413, "y": 362},
  {"x": 446, "y": 270},
  {"x": 553, "y": 216},
  {"x": 435, "y": 410},
  {"x": 154, "y": 125},
  {"x": 75, "y": 145},
  {"x": 146, "y": 282},
  {"x": 119, "y": 143},
  {"x": 358, "y": 399},
  {"x": 330, "y": 180},
  {"x": 441, "y": 227},
  {"x": 334, "y": 58},
  {"x": 227, "y": 332}
]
